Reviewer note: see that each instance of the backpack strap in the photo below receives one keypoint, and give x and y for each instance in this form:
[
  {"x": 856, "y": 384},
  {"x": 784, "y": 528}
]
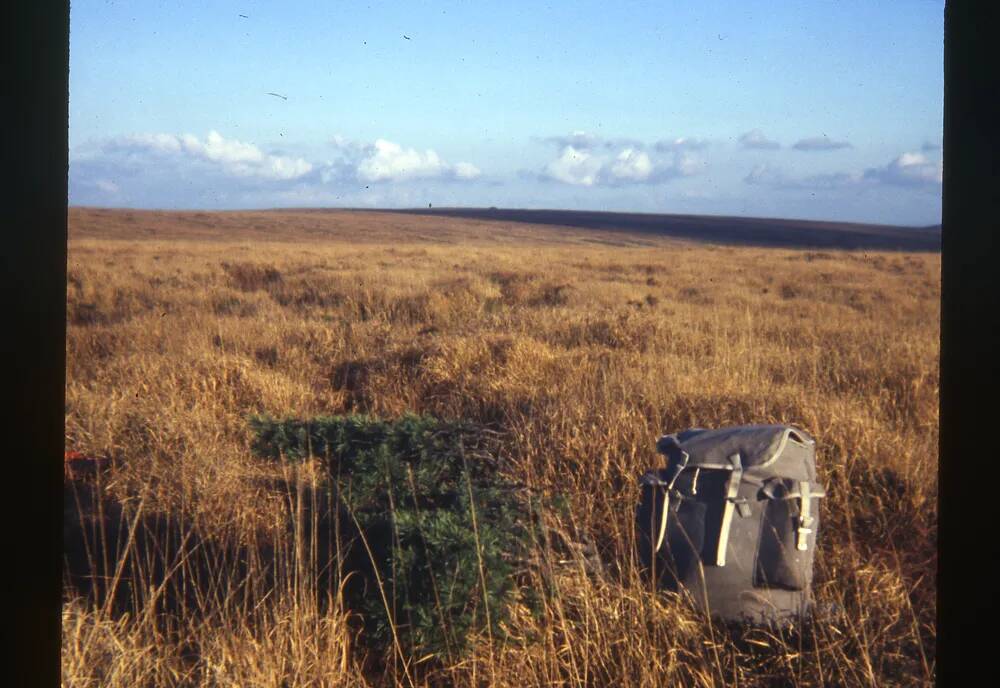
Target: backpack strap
[
  {"x": 662, "y": 530},
  {"x": 732, "y": 500},
  {"x": 805, "y": 518},
  {"x": 667, "y": 486}
]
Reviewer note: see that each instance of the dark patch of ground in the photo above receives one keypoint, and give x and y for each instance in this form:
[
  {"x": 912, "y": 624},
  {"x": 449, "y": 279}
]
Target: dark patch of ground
[{"x": 743, "y": 231}]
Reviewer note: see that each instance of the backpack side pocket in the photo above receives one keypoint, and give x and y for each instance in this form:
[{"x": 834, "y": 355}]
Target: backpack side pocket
[{"x": 787, "y": 544}]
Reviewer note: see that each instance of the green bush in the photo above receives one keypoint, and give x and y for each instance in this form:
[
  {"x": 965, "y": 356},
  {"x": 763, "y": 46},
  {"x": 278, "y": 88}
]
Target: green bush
[{"x": 424, "y": 493}]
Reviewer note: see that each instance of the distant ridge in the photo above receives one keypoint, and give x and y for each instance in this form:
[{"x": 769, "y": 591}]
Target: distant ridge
[
  {"x": 772, "y": 232},
  {"x": 450, "y": 225}
]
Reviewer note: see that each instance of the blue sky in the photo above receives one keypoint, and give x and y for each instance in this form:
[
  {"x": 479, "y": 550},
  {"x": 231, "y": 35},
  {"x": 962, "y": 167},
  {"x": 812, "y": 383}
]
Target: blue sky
[{"x": 821, "y": 110}]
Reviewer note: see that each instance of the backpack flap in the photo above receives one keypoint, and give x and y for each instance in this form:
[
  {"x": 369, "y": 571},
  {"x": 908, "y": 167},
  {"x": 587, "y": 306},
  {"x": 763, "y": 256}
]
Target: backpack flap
[{"x": 763, "y": 449}]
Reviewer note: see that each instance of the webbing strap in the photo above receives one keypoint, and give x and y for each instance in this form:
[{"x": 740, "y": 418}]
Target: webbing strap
[
  {"x": 732, "y": 491},
  {"x": 805, "y": 519},
  {"x": 663, "y": 519},
  {"x": 678, "y": 467}
]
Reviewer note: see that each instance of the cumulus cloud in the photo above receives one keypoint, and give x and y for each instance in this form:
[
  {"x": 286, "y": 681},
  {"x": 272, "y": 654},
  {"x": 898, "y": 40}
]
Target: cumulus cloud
[
  {"x": 585, "y": 141},
  {"x": 819, "y": 143},
  {"x": 574, "y": 166},
  {"x": 217, "y": 157},
  {"x": 578, "y": 140},
  {"x": 630, "y": 165},
  {"x": 160, "y": 143},
  {"x": 466, "y": 170},
  {"x": 184, "y": 170},
  {"x": 756, "y": 140},
  {"x": 683, "y": 143},
  {"x": 585, "y": 159},
  {"x": 912, "y": 170},
  {"x": 231, "y": 156},
  {"x": 388, "y": 161},
  {"x": 909, "y": 169}
]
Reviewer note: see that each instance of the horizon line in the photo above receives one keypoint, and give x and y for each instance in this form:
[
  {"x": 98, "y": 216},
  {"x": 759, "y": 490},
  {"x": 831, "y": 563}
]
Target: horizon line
[{"x": 431, "y": 210}]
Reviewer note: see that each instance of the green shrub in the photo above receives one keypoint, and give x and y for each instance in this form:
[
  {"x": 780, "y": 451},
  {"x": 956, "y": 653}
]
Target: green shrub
[{"x": 424, "y": 493}]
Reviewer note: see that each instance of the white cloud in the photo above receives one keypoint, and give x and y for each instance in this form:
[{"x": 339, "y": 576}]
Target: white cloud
[
  {"x": 227, "y": 151},
  {"x": 909, "y": 169},
  {"x": 281, "y": 167},
  {"x": 631, "y": 165},
  {"x": 683, "y": 143},
  {"x": 214, "y": 163},
  {"x": 466, "y": 170},
  {"x": 687, "y": 164},
  {"x": 756, "y": 140},
  {"x": 163, "y": 143},
  {"x": 579, "y": 140},
  {"x": 388, "y": 161},
  {"x": 575, "y": 167},
  {"x": 819, "y": 143},
  {"x": 233, "y": 157},
  {"x": 584, "y": 141},
  {"x": 913, "y": 170}
]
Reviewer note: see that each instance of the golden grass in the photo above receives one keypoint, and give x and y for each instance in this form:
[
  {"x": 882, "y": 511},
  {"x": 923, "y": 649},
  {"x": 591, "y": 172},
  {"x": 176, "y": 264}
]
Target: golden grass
[{"x": 181, "y": 325}]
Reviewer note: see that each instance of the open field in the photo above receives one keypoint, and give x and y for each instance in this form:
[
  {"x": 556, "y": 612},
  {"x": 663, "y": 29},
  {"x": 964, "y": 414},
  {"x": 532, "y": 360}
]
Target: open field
[{"x": 580, "y": 346}]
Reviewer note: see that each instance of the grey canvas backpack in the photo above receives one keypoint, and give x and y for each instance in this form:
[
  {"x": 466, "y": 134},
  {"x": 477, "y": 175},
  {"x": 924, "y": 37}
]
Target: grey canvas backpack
[{"x": 732, "y": 520}]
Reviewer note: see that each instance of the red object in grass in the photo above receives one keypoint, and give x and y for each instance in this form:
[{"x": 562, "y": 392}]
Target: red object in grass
[{"x": 77, "y": 465}]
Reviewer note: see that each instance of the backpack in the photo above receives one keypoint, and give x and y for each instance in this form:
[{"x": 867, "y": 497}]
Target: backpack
[{"x": 732, "y": 520}]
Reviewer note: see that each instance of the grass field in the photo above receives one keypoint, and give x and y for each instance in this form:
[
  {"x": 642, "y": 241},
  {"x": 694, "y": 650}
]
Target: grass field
[{"x": 580, "y": 346}]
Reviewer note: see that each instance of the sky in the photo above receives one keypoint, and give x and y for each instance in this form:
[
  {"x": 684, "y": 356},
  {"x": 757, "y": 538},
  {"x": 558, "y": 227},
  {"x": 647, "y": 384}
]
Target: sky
[{"x": 813, "y": 110}]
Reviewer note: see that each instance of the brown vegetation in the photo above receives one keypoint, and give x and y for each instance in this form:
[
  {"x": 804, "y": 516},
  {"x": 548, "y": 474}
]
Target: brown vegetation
[{"x": 181, "y": 325}]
